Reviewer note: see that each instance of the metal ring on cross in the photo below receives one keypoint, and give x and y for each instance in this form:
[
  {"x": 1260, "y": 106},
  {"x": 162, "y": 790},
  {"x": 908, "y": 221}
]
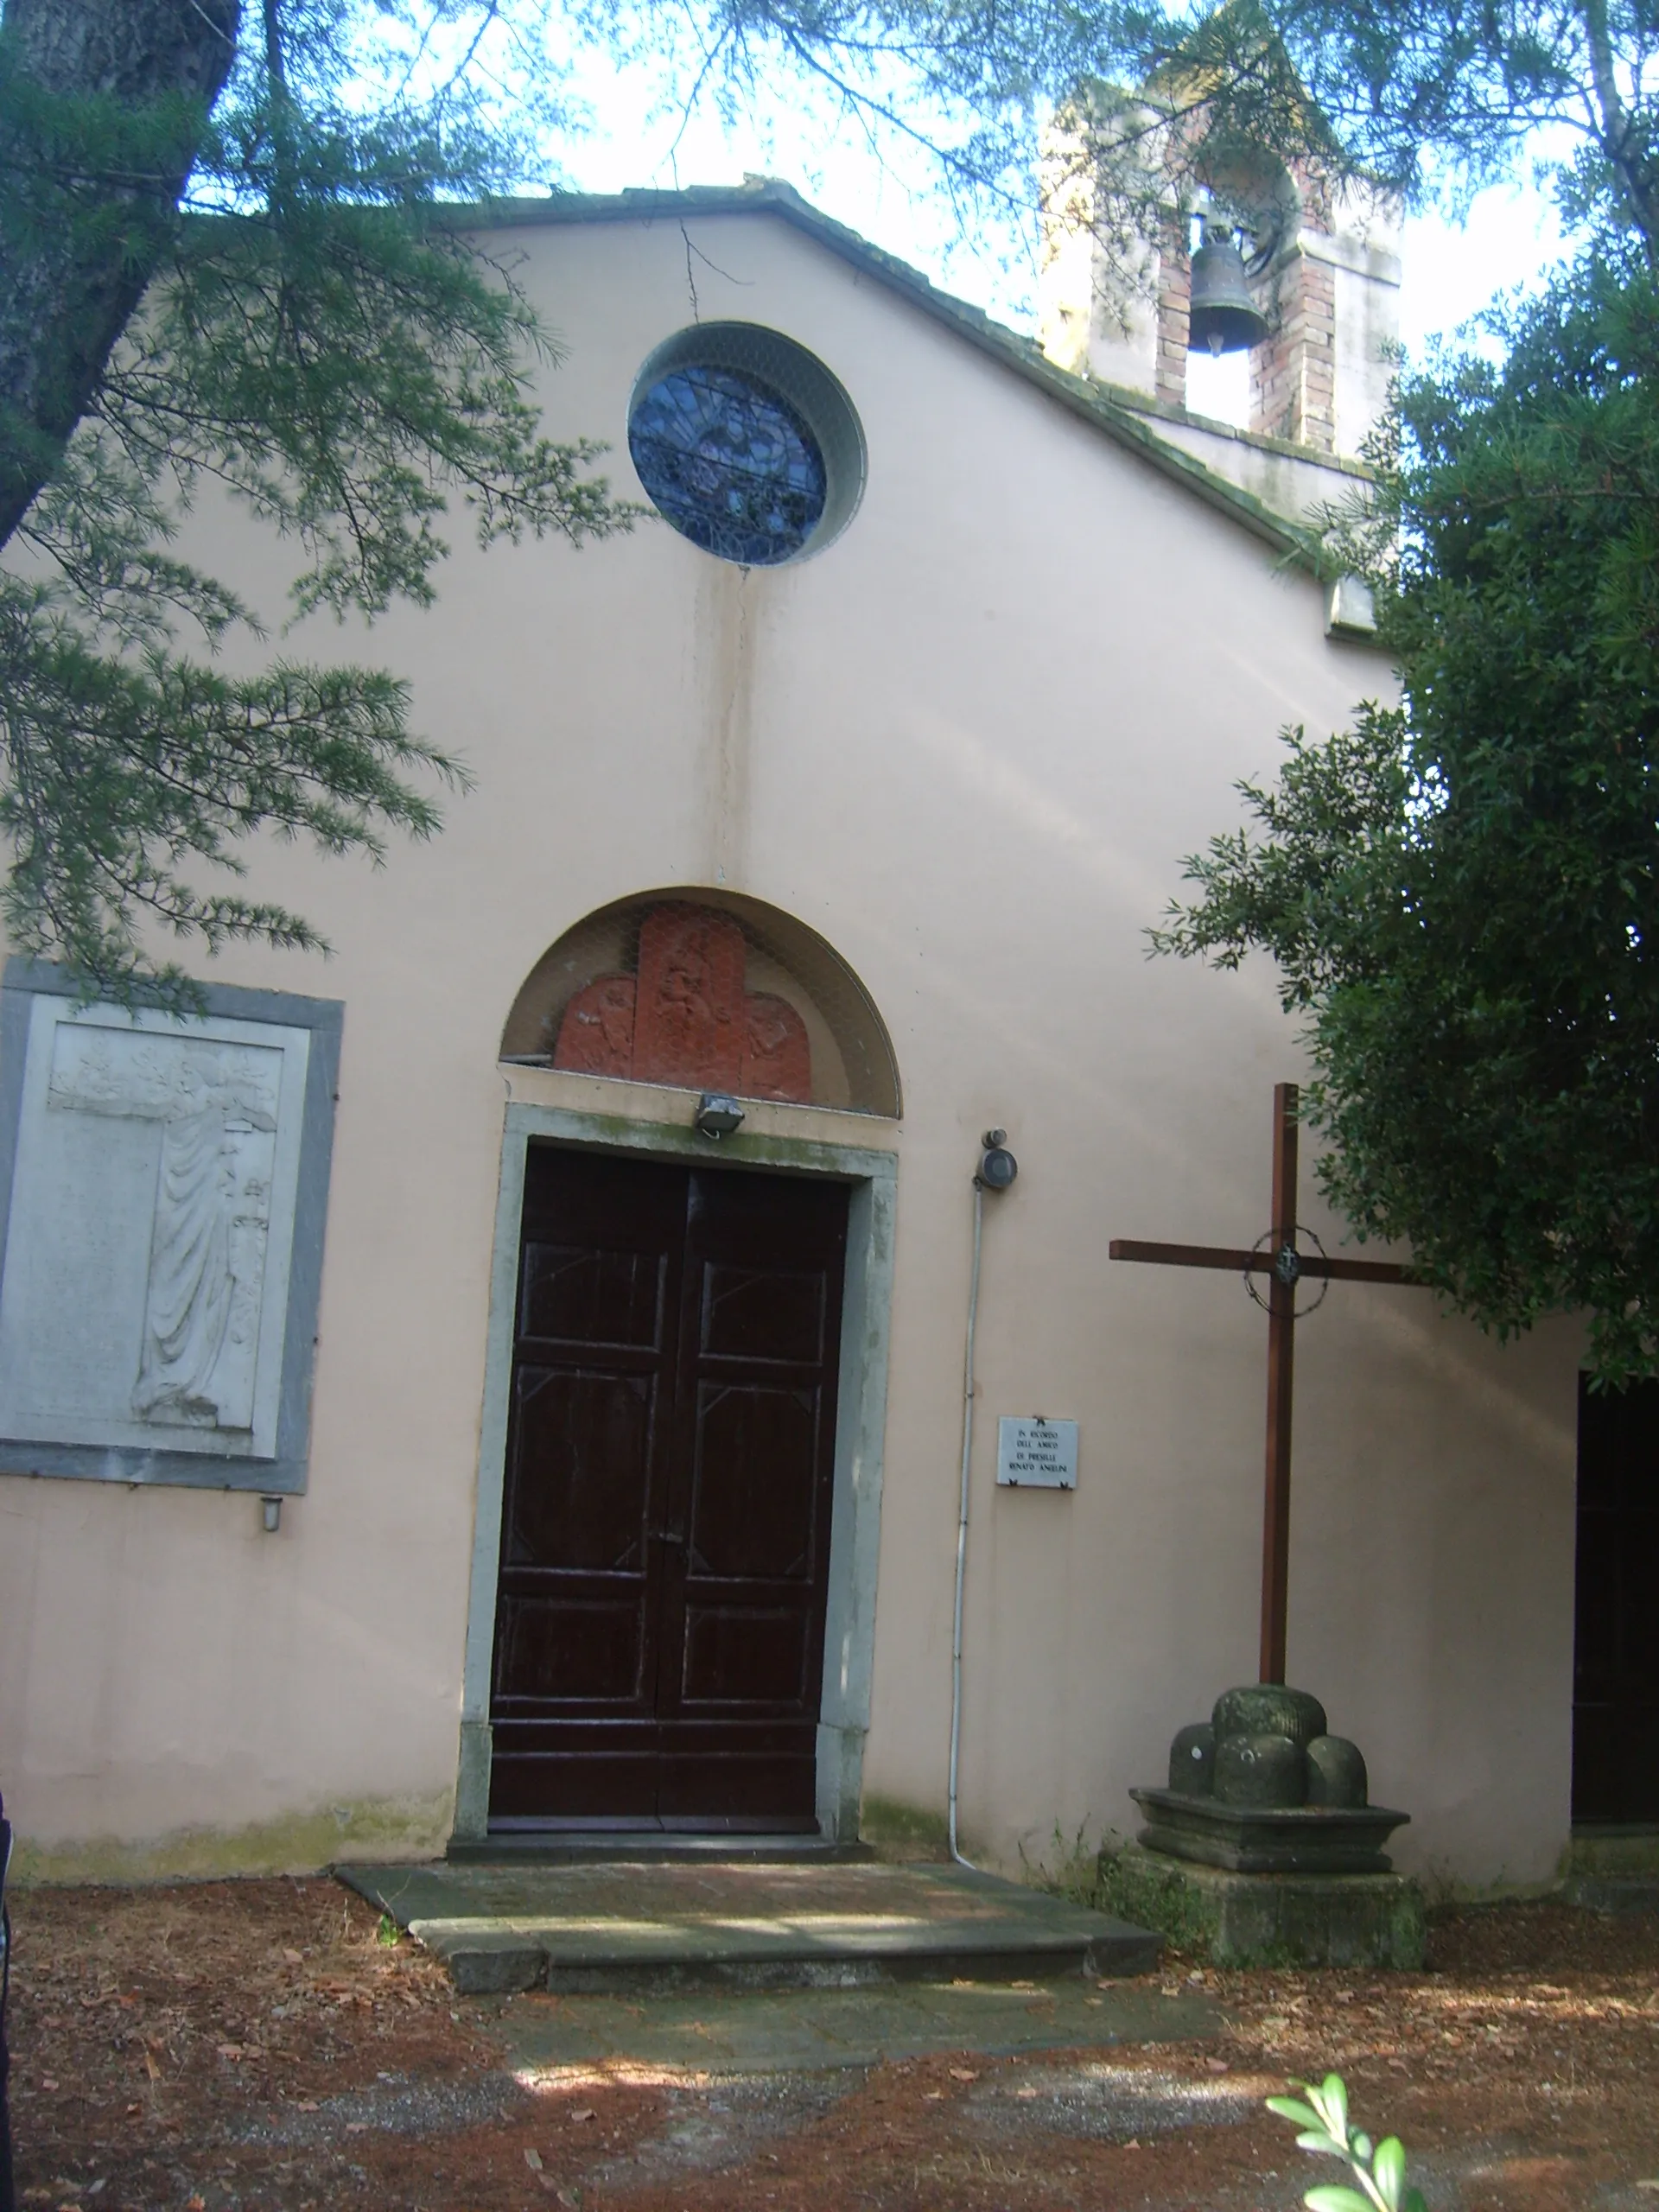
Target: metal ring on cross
[{"x": 1287, "y": 1267}]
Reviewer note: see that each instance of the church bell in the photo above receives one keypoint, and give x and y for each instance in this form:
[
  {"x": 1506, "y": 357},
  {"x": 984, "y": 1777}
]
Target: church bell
[{"x": 1224, "y": 316}]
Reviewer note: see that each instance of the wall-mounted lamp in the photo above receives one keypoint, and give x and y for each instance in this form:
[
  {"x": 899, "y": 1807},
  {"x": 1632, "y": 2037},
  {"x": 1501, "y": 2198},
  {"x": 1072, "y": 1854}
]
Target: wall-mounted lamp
[
  {"x": 998, "y": 1166},
  {"x": 717, "y": 1116},
  {"x": 270, "y": 1511}
]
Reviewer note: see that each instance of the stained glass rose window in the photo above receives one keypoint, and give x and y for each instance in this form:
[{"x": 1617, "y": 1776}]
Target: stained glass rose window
[
  {"x": 730, "y": 463},
  {"x": 746, "y": 444}
]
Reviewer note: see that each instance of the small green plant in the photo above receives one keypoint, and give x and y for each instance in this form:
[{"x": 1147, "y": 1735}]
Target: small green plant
[
  {"x": 388, "y": 1931},
  {"x": 1380, "y": 2171},
  {"x": 1069, "y": 1871}
]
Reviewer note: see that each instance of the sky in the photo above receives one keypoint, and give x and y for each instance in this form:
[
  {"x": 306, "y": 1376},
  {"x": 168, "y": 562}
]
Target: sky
[{"x": 1450, "y": 271}]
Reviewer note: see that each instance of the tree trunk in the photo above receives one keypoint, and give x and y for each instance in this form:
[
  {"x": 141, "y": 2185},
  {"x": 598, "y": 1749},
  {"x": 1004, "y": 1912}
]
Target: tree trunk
[
  {"x": 1625, "y": 147},
  {"x": 84, "y": 217}
]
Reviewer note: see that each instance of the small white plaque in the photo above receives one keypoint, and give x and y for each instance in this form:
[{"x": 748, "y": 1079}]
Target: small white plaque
[{"x": 1036, "y": 1454}]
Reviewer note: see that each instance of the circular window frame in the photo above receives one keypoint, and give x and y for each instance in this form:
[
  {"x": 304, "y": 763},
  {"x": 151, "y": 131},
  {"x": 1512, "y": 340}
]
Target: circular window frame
[{"x": 813, "y": 392}]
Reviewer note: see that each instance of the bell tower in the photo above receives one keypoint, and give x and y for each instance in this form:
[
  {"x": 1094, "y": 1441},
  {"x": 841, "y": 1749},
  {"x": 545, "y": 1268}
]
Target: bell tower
[
  {"x": 1319, "y": 265},
  {"x": 1331, "y": 293}
]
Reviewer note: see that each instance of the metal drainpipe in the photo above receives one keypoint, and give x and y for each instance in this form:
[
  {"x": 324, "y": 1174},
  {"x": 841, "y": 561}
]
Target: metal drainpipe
[{"x": 961, "y": 1523}]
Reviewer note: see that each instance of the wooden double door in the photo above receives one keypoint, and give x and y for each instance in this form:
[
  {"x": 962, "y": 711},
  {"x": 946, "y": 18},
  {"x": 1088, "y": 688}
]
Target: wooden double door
[
  {"x": 666, "y": 1522},
  {"x": 1616, "y": 1635}
]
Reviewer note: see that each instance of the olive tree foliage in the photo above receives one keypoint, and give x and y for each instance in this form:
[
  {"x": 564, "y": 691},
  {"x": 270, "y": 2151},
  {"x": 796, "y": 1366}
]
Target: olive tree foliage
[{"x": 1462, "y": 890}]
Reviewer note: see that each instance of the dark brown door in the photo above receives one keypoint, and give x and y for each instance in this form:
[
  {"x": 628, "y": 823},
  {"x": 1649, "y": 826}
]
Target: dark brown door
[
  {"x": 1616, "y": 1637},
  {"x": 666, "y": 1526}
]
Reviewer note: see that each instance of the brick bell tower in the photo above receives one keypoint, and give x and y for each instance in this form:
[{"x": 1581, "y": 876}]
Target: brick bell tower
[{"x": 1328, "y": 285}]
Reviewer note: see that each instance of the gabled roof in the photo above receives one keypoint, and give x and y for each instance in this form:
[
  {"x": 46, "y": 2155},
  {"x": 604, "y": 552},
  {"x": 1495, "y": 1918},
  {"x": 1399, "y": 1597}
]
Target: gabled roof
[{"x": 1097, "y": 404}]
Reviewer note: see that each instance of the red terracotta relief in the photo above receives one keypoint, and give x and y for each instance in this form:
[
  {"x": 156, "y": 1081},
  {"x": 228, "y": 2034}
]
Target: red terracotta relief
[
  {"x": 596, "y": 1032},
  {"x": 687, "y": 1019},
  {"x": 690, "y": 1027},
  {"x": 776, "y": 1056}
]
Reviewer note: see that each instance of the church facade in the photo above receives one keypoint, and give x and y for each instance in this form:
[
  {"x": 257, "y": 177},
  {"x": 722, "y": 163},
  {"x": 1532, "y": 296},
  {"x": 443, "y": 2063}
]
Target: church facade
[{"x": 510, "y": 1377}]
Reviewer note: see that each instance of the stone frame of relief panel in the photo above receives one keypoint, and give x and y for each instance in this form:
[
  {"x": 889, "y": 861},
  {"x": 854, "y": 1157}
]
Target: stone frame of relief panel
[{"x": 224, "y": 1123}]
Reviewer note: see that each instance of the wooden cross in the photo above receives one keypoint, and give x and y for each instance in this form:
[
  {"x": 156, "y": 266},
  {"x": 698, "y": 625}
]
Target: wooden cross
[{"x": 1284, "y": 1267}]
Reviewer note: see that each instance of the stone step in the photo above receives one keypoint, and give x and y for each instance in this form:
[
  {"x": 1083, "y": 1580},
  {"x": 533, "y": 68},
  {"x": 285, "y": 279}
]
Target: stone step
[
  {"x": 1613, "y": 1892},
  {"x": 1614, "y": 1868},
  {"x": 642, "y": 1926},
  {"x": 603, "y": 1846}
]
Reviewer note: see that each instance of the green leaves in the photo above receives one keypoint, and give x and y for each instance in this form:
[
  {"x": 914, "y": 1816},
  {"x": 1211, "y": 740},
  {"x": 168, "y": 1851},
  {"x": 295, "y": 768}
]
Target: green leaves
[
  {"x": 1388, "y": 2171},
  {"x": 346, "y": 370},
  {"x": 318, "y": 337},
  {"x": 1381, "y": 2172},
  {"x": 1462, "y": 893},
  {"x": 1431, "y": 100},
  {"x": 1289, "y": 2109},
  {"x": 123, "y": 772}
]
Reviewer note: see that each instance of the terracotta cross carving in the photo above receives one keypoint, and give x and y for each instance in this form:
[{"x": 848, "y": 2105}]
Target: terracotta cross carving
[
  {"x": 1284, "y": 1267},
  {"x": 686, "y": 1017}
]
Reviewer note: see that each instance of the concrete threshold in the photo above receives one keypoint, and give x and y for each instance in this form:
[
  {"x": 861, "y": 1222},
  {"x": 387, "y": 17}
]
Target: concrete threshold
[
  {"x": 638, "y": 1846},
  {"x": 1614, "y": 1869},
  {"x": 645, "y": 1926}
]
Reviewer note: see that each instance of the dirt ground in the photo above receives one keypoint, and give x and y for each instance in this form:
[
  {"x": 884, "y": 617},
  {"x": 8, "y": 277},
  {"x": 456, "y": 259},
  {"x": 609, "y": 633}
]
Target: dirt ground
[{"x": 264, "y": 2045}]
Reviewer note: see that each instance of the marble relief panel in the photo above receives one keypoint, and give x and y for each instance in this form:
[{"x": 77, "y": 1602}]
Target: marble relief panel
[{"x": 144, "y": 1296}]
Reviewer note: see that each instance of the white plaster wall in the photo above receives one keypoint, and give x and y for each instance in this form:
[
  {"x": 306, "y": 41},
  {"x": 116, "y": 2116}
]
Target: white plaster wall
[
  {"x": 1299, "y": 483},
  {"x": 969, "y": 744},
  {"x": 1118, "y": 322},
  {"x": 1097, "y": 314},
  {"x": 1367, "y": 333}
]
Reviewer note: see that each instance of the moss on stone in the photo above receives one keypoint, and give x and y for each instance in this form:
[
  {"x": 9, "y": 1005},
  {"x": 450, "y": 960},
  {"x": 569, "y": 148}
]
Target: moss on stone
[
  {"x": 896, "y": 1830},
  {"x": 296, "y": 1843},
  {"x": 1134, "y": 1886},
  {"x": 1268, "y": 1920}
]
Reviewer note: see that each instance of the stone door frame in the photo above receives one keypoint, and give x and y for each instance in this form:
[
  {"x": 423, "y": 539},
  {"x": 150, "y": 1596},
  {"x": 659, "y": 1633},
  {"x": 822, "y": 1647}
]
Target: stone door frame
[{"x": 855, "y": 1509}]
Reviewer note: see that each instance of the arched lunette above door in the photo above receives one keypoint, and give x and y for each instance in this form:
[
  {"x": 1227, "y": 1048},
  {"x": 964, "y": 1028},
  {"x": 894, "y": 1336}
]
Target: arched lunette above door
[{"x": 706, "y": 991}]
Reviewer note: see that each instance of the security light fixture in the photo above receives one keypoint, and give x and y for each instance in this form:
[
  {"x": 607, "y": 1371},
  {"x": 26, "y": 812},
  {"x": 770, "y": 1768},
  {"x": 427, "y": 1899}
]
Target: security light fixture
[
  {"x": 998, "y": 1166},
  {"x": 271, "y": 1515},
  {"x": 718, "y": 1116}
]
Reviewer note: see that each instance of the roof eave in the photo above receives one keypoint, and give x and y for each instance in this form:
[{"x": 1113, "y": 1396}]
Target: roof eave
[{"x": 769, "y": 196}]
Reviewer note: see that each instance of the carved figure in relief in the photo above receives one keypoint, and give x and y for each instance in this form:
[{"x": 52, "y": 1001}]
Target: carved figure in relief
[
  {"x": 687, "y": 1017},
  {"x": 688, "y": 1025},
  {"x": 596, "y": 1029},
  {"x": 217, "y": 1104},
  {"x": 777, "y": 1055}
]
